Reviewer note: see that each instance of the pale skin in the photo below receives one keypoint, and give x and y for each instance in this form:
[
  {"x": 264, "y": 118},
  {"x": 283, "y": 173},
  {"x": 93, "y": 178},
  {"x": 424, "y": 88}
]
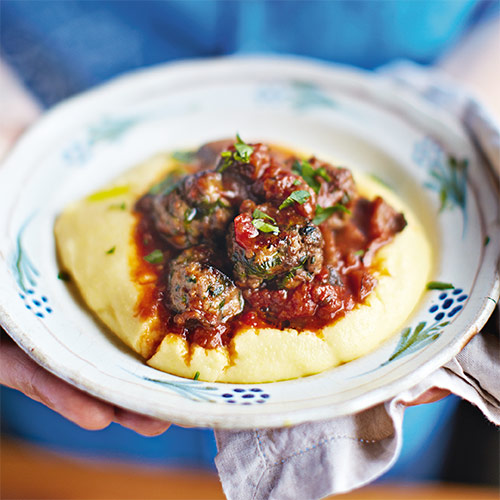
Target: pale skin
[
  {"x": 471, "y": 62},
  {"x": 19, "y": 371}
]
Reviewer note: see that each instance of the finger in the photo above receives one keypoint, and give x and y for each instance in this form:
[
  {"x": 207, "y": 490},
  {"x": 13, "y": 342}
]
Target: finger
[
  {"x": 432, "y": 395},
  {"x": 20, "y": 372},
  {"x": 142, "y": 424}
]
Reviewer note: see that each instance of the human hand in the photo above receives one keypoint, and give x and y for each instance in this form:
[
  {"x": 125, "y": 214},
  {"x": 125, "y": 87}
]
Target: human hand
[
  {"x": 19, "y": 371},
  {"x": 431, "y": 396}
]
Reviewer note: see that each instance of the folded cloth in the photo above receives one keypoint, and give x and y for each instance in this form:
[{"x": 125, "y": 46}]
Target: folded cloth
[{"x": 314, "y": 460}]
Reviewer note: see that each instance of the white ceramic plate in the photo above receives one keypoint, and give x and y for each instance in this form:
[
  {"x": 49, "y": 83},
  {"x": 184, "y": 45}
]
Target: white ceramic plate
[{"x": 359, "y": 119}]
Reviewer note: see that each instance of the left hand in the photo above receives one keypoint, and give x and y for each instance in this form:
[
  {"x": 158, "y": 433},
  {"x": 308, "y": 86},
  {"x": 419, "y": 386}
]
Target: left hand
[{"x": 19, "y": 371}]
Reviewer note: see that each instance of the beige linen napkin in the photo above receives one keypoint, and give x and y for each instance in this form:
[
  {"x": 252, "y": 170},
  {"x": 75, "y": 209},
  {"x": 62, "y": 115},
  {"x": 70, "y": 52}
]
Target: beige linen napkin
[{"x": 314, "y": 460}]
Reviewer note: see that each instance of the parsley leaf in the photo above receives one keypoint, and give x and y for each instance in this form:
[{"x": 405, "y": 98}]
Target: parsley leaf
[
  {"x": 323, "y": 213},
  {"x": 300, "y": 197},
  {"x": 155, "y": 257},
  {"x": 341, "y": 208},
  {"x": 439, "y": 285},
  {"x": 259, "y": 214},
  {"x": 309, "y": 174},
  {"x": 243, "y": 150},
  {"x": 184, "y": 156},
  {"x": 111, "y": 250},
  {"x": 63, "y": 276},
  {"x": 265, "y": 227},
  {"x": 118, "y": 206},
  {"x": 242, "y": 154},
  {"x": 196, "y": 376},
  {"x": 168, "y": 184},
  {"x": 321, "y": 171}
]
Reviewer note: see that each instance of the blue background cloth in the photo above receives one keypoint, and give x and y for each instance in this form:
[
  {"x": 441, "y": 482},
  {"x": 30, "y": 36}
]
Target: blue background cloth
[
  {"x": 426, "y": 433},
  {"x": 62, "y": 47}
]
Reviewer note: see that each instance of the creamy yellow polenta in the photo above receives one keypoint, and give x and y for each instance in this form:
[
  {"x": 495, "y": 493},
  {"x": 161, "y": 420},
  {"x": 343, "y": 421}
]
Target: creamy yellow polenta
[{"x": 95, "y": 244}]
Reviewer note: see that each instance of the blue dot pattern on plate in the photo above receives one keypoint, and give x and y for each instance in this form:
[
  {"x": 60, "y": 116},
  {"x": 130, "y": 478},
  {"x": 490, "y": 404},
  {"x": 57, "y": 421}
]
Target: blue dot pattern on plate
[
  {"x": 245, "y": 396},
  {"x": 450, "y": 303},
  {"x": 39, "y": 306}
]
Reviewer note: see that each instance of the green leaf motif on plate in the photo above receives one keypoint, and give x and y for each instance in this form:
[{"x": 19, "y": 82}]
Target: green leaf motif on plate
[
  {"x": 308, "y": 95},
  {"x": 191, "y": 389},
  {"x": 450, "y": 181},
  {"x": 301, "y": 95},
  {"x": 447, "y": 173},
  {"x": 102, "y": 131},
  {"x": 108, "y": 130},
  {"x": 22, "y": 267},
  {"x": 413, "y": 339}
]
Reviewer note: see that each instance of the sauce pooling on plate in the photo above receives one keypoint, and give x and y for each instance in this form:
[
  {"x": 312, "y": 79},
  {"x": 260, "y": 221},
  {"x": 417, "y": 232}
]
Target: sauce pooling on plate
[{"x": 249, "y": 235}]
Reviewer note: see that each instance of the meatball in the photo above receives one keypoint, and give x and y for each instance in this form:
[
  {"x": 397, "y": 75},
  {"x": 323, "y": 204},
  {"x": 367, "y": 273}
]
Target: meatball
[
  {"x": 278, "y": 183},
  {"x": 199, "y": 292},
  {"x": 240, "y": 173},
  {"x": 336, "y": 184},
  {"x": 249, "y": 167},
  {"x": 209, "y": 154},
  {"x": 195, "y": 210},
  {"x": 279, "y": 249}
]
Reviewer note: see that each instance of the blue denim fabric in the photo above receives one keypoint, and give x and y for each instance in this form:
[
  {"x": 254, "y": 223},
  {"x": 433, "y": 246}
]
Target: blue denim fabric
[
  {"x": 62, "y": 47},
  {"x": 426, "y": 431}
]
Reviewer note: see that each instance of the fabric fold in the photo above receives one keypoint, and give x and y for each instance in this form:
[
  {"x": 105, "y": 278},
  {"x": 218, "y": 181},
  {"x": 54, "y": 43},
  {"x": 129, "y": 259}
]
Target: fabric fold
[{"x": 314, "y": 460}]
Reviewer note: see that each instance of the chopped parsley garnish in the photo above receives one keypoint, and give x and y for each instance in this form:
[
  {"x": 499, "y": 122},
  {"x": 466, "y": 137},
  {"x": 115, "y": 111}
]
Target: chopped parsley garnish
[
  {"x": 241, "y": 155},
  {"x": 118, "y": 206},
  {"x": 243, "y": 150},
  {"x": 265, "y": 227},
  {"x": 321, "y": 171},
  {"x": 291, "y": 274},
  {"x": 341, "y": 208},
  {"x": 184, "y": 156},
  {"x": 359, "y": 253},
  {"x": 300, "y": 197},
  {"x": 486, "y": 240},
  {"x": 375, "y": 177},
  {"x": 168, "y": 184},
  {"x": 63, "y": 276},
  {"x": 309, "y": 174},
  {"x": 323, "y": 213},
  {"x": 155, "y": 257},
  {"x": 259, "y": 214},
  {"x": 228, "y": 159},
  {"x": 196, "y": 376},
  {"x": 111, "y": 250},
  {"x": 439, "y": 285}
]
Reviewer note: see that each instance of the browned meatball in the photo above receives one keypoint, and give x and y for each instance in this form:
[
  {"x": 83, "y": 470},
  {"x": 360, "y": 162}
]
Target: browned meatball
[
  {"x": 209, "y": 154},
  {"x": 195, "y": 210},
  {"x": 281, "y": 249},
  {"x": 336, "y": 184},
  {"x": 198, "y": 292}
]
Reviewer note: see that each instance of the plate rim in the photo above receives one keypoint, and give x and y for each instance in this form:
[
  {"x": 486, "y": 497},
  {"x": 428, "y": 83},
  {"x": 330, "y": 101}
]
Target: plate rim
[{"x": 358, "y": 403}]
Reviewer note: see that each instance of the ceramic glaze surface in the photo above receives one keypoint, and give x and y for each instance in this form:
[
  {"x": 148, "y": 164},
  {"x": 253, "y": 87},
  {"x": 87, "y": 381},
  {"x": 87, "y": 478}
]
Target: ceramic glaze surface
[{"x": 348, "y": 117}]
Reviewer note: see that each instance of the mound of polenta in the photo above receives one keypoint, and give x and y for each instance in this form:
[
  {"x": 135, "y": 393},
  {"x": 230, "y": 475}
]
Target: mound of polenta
[{"x": 96, "y": 246}]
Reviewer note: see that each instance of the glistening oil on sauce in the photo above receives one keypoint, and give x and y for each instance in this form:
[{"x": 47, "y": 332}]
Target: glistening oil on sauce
[{"x": 319, "y": 309}]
